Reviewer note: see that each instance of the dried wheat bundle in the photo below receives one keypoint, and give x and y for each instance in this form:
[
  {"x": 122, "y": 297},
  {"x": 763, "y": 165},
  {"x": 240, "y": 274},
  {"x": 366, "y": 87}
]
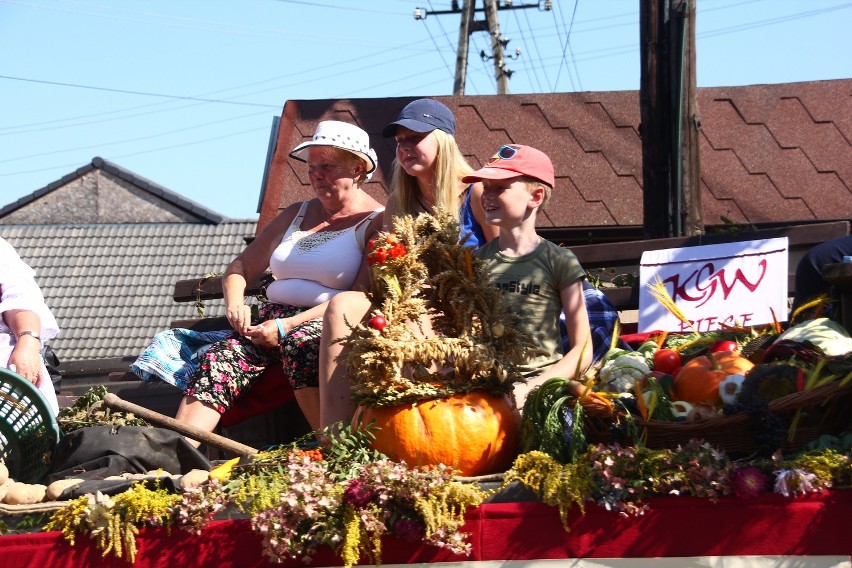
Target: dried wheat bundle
[{"x": 421, "y": 269}]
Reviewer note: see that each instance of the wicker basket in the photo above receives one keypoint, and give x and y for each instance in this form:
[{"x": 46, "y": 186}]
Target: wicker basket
[
  {"x": 825, "y": 410},
  {"x": 29, "y": 432}
]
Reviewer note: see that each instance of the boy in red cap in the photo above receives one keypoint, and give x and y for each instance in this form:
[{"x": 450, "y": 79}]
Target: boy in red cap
[{"x": 540, "y": 279}]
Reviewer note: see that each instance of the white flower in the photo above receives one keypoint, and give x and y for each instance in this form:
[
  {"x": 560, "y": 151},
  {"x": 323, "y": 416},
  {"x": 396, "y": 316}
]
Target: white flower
[{"x": 792, "y": 481}]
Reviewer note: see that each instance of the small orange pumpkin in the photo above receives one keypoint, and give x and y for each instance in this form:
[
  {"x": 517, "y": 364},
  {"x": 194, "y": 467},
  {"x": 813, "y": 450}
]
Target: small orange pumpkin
[
  {"x": 698, "y": 380},
  {"x": 475, "y": 433}
]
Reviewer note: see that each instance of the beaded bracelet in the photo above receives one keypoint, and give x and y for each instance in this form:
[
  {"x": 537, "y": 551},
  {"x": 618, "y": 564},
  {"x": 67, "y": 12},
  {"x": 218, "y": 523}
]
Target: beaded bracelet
[{"x": 281, "y": 332}]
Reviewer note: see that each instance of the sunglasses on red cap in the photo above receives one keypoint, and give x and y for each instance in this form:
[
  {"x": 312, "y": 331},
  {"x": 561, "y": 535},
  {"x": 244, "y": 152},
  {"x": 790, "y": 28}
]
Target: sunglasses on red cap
[{"x": 504, "y": 153}]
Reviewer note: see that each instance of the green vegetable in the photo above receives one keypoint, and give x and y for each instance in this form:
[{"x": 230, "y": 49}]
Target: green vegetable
[{"x": 824, "y": 333}]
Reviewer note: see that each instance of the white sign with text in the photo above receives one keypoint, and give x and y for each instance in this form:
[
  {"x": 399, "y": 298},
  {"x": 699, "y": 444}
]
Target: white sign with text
[{"x": 730, "y": 284}]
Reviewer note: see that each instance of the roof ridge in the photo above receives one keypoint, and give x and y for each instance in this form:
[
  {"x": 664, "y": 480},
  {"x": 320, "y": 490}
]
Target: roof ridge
[{"x": 196, "y": 209}]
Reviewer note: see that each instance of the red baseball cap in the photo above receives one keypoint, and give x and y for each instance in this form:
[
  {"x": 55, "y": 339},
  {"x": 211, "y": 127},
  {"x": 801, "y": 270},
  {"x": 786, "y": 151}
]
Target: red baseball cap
[{"x": 515, "y": 160}]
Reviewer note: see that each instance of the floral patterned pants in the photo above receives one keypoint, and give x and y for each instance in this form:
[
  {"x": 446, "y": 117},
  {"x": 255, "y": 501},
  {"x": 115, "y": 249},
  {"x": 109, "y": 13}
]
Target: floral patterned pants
[{"x": 231, "y": 365}]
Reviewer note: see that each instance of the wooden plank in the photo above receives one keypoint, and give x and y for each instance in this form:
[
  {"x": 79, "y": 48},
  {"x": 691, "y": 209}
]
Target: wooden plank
[
  {"x": 211, "y": 439},
  {"x": 202, "y": 324},
  {"x": 628, "y": 253},
  {"x": 623, "y": 297},
  {"x": 210, "y": 288},
  {"x": 123, "y": 376}
]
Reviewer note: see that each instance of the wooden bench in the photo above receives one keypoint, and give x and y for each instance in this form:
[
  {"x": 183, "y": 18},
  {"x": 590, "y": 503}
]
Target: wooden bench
[
  {"x": 625, "y": 254},
  {"x": 628, "y": 254}
]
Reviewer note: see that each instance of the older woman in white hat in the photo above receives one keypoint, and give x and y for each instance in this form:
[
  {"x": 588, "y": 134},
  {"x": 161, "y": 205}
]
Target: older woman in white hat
[{"x": 314, "y": 250}]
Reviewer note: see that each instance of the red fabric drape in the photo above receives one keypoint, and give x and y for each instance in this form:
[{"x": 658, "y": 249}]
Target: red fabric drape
[
  {"x": 270, "y": 391},
  {"x": 673, "y": 527}
]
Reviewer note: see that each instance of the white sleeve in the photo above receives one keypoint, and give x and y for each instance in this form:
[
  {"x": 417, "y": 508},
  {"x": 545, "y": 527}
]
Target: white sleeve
[{"x": 19, "y": 291}]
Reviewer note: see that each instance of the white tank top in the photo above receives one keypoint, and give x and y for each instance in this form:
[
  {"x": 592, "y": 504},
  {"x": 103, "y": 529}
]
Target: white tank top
[{"x": 310, "y": 268}]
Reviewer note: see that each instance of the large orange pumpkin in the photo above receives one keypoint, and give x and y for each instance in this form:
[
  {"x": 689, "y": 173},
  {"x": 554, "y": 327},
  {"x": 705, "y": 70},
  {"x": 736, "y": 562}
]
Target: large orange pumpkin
[
  {"x": 698, "y": 380},
  {"x": 475, "y": 433}
]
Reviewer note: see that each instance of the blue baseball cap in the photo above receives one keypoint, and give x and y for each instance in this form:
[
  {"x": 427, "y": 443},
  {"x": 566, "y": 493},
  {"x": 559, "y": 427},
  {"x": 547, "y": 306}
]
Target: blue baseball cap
[{"x": 423, "y": 115}]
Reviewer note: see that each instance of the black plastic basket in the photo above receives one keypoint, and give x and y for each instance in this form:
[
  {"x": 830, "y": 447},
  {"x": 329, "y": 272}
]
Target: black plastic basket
[{"x": 29, "y": 432}]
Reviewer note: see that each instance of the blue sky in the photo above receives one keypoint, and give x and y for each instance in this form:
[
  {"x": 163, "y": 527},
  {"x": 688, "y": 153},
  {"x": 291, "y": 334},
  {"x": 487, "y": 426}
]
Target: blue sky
[{"x": 183, "y": 92}]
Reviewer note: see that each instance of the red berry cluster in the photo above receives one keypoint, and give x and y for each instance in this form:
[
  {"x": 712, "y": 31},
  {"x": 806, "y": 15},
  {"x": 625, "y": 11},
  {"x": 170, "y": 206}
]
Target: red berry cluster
[
  {"x": 315, "y": 455},
  {"x": 381, "y": 252}
]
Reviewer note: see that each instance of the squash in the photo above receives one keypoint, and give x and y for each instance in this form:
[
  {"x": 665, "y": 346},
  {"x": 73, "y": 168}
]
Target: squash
[
  {"x": 698, "y": 380},
  {"x": 824, "y": 333},
  {"x": 476, "y": 433}
]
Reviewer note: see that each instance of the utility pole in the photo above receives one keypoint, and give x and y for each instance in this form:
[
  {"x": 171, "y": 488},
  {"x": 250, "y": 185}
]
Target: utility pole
[
  {"x": 468, "y": 7},
  {"x": 669, "y": 111},
  {"x": 690, "y": 124},
  {"x": 491, "y": 24},
  {"x": 501, "y": 74}
]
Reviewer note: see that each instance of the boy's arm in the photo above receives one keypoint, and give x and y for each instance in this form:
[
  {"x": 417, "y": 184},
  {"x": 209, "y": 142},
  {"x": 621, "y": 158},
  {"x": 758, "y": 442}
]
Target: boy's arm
[{"x": 580, "y": 354}]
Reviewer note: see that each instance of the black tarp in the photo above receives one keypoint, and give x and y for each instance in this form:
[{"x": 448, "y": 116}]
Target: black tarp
[{"x": 97, "y": 452}]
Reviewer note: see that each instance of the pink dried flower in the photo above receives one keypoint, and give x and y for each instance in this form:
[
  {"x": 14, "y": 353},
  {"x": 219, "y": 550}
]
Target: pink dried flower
[
  {"x": 748, "y": 482},
  {"x": 358, "y": 494}
]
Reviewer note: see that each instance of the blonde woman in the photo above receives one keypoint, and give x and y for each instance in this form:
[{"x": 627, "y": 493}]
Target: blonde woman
[
  {"x": 427, "y": 172},
  {"x": 429, "y": 168}
]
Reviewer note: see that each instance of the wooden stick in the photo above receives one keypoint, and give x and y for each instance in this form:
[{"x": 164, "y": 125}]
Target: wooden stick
[{"x": 209, "y": 438}]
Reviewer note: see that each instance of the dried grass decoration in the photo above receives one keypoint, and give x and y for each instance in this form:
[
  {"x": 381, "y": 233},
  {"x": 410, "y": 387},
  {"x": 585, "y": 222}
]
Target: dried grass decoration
[{"x": 422, "y": 277}]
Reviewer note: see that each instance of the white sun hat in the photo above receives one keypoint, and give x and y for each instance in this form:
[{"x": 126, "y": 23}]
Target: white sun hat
[{"x": 340, "y": 135}]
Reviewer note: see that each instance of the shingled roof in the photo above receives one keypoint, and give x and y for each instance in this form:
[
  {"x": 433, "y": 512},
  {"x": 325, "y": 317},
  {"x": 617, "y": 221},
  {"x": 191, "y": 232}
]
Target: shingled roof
[
  {"x": 769, "y": 153},
  {"x": 110, "y": 286},
  {"x": 104, "y": 192}
]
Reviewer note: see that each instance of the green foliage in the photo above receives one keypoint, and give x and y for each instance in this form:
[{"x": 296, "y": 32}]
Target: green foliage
[
  {"x": 731, "y": 227},
  {"x": 347, "y": 449},
  {"x": 344, "y": 450},
  {"x": 112, "y": 522},
  {"x": 88, "y": 410},
  {"x": 601, "y": 277},
  {"x": 546, "y": 410}
]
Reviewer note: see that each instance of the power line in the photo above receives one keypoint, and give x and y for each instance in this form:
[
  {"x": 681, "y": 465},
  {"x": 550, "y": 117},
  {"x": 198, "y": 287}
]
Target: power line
[
  {"x": 200, "y": 25},
  {"x": 535, "y": 51},
  {"x": 18, "y": 129},
  {"x": 566, "y": 48},
  {"x": 451, "y": 46},
  {"x": 138, "y": 139},
  {"x": 437, "y": 48},
  {"x": 142, "y": 93},
  {"x": 358, "y": 8},
  {"x": 772, "y": 21},
  {"x": 160, "y": 149}
]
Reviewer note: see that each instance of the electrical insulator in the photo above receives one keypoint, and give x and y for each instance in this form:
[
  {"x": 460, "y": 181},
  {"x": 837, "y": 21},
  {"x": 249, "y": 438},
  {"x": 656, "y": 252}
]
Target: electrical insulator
[{"x": 418, "y": 14}]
